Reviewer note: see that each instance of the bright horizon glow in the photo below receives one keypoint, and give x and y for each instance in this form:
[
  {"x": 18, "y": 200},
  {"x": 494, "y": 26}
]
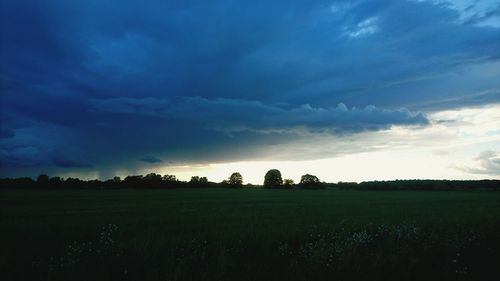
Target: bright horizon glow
[{"x": 446, "y": 149}]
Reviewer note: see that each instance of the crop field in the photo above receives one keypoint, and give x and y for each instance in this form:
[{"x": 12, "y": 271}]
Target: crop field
[{"x": 249, "y": 234}]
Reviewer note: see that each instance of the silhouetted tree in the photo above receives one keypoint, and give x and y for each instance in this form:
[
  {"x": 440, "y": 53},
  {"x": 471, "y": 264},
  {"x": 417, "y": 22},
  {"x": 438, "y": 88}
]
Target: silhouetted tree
[
  {"x": 288, "y": 183},
  {"x": 73, "y": 183},
  {"x": 273, "y": 179},
  {"x": 56, "y": 182},
  {"x": 197, "y": 181},
  {"x": 23, "y": 182},
  {"x": 169, "y": 178},
  {"x": 170, "y": 181},
  {"x": 310, "y": 181},
  {"x": 42, "y": 180},
  {"x": 152, "y": 180},
  {"x": 236, "y": 180},
  {"x": 95, "y": 184},
  {"x": 132, "y": 181}
]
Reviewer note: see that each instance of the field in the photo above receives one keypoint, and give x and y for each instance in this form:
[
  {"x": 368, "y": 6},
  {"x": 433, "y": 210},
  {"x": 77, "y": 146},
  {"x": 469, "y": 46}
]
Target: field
[{"x": 249, "y": 234}]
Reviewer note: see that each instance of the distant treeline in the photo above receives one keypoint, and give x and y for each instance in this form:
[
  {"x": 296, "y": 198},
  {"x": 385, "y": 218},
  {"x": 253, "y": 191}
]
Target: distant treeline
[
  {"x": 420, "y": 185},
  {"x": 149, "y": 181},
  {"x": 271, "y": 180}
]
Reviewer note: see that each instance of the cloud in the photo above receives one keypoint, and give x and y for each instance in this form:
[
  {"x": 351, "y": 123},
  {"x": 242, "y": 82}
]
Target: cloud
[
  {"x": 23, "y": 156},
  {"x": 63, "y": 162},
  {"x": 340, "y": 8},
  {"x": 477, "y": 12},
  {"x": 486, "y": 163},
  {"x": 472, "y": 100},
  {"x": 363, "y": 28},
  {"x": 450, "y": 135},
  {"x": 234, "y": 115},
  {"x": 34, "y": 143},
  {"x": 150, "y": 159},
  {"x": 94, "y": 79},
  {"x": 6, "y": 133},
  {"x": 214, "y": 50}
]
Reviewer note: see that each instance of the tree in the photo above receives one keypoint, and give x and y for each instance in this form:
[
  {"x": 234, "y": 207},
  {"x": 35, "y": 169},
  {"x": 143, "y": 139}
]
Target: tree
[
  {"x": 273, "y": 179},
  {"x": 203, "y": 180},
  {"x": 236, "y": 180},
  {"x": 310, "y": 181},
  {"x": 42, "y": 179},
  {"x": 169, "y": 178},
  {"x": 73, "y": 183},
  {"x": 152, "y": 177},
  {"x": 56, "y": 181},
  {"x": 133, "y": 181},
  {"x": 197, "y": 181},
  {"x": 152, "y": 180},
  {"x": 288, "y": 183}
]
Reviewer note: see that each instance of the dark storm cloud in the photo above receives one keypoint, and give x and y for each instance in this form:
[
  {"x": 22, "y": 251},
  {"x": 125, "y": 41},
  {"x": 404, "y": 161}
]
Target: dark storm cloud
[
  {"x": 70, "y": 163},
  {"x": 107, "y": 82},
  {"x": 232, "y": 115},
  {"x": 150, "y": 159},
  {"x": 6, "y": 133},
  {"x": 36, "y": 143}
]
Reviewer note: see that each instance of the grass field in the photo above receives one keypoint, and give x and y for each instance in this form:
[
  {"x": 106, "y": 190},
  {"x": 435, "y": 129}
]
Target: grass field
[{"x": 249, "y": 234}]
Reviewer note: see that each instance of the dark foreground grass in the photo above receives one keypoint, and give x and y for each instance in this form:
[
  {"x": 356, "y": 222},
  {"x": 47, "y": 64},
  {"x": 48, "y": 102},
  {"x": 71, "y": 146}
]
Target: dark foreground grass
[{"x": 249, "y": 234}]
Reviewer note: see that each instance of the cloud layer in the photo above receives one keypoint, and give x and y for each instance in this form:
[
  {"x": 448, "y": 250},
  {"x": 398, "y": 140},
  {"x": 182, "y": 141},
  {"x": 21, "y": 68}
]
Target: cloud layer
[
  {"x": 232, "y": 115},
  {"x": 486, "y": 163},
  {"x": 113, "y": 85}
]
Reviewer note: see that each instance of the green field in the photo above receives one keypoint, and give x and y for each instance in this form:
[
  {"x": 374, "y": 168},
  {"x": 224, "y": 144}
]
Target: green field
[{"x": 249, "y": 234}]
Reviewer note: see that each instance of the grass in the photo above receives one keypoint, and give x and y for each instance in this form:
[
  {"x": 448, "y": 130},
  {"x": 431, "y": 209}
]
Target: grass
[{"x": 248, "y": 234}]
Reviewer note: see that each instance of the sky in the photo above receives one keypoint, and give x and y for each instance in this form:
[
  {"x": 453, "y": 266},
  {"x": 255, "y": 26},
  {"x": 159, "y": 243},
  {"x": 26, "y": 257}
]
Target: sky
[{"x": 346, "y": 90}]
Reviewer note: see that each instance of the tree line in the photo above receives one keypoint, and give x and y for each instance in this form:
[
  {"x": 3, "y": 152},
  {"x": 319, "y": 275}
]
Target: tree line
[{"x": 272, "y": 179}]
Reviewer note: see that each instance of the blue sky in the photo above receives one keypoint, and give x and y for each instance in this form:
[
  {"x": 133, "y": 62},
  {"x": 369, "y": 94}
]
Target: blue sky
[{"x": 99, "y": 87}]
